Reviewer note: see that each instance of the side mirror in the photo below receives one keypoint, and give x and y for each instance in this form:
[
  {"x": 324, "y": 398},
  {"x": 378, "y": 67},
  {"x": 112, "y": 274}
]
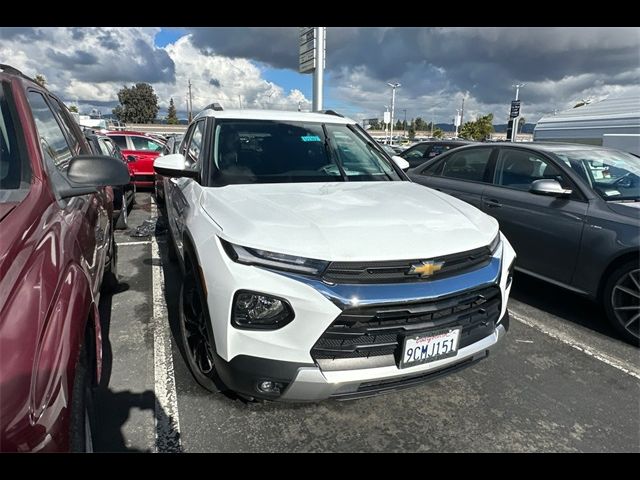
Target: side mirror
[
  {"x": 400, "y": 162},
  {"x": 173, "y": 166},
  {"x": 86, "y": 173},
  {"x": 549, "y": 187}
]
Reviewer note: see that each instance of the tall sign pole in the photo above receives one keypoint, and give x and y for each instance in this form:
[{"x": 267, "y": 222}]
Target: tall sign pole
[
  {"x": 313, "y": 44},
  {"x": 515, "y": 112},
  {"x": 190, "y": 103}
]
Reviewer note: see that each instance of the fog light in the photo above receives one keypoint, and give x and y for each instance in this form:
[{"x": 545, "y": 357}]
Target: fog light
[
  {"x": 253, "y": 310},
  {"x": 268, "y": 386}
]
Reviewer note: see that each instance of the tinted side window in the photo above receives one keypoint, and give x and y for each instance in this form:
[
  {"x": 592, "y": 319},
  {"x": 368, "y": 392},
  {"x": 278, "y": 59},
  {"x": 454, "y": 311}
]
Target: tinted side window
[
  {"x": 146, "y": 144},
  {"x": 467, "y": 164},
  {"x": 54, "y": 144},
  {"x": 415, "y": 152},
  {"x": 195, "y": 145},
  {"x": 15, "y": 171},
  {"x": 119, "y": 140},
  {"x": 519, "y": 168},
  {"x": 76, "y": 147},
  {"x": 106, "y": 147}
]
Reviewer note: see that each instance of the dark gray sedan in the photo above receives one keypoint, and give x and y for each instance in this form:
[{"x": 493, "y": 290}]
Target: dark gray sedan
[
  {"x": 572, "y": 213},
  {"x": 421, "y": 152}
]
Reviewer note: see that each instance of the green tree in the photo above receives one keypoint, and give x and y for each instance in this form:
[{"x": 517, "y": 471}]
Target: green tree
[
  {"x": 41, "y": 80},
  {"x": 398, "y": 126},
  {"x": 521, "y": 122},
  {"x": 172, "y": 117},
  {"x": 437, "y": 133},
  {"x": 138, "y": 104},
  {"x": 478, "y": 129},
  {"x": 412, "y": 132},
  {"x": 73, "y": 109},
  {"x": 420, "y": 124}
]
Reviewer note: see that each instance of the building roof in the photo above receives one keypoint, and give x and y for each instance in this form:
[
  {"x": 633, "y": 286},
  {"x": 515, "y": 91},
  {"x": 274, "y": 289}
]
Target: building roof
[{"x": 274, "y": 115}]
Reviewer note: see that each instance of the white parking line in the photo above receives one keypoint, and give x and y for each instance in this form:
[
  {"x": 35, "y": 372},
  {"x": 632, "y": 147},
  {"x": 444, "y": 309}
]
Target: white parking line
[
  {"x": 568, "y": 339},
  {"x": 127, "y": 244},
  {"x": 166, "y": 417}
]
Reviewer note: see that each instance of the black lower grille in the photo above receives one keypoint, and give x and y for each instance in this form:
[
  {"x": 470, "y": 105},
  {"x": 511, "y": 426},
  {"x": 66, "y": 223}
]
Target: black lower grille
[
  {"x": 377, "y": 331},
  {"x": 398, "y": 270}
]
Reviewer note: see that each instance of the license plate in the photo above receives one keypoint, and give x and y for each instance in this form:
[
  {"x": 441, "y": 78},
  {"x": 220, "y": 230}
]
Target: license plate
[{"x": 427, "y": 347}]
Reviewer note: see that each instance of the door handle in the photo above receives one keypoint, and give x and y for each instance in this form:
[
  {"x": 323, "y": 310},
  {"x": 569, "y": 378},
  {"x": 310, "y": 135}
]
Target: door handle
[{"x": 491, "y": 203}]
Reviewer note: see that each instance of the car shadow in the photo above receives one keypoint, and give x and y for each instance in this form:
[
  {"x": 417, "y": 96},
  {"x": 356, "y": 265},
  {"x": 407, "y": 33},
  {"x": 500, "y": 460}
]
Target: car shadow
[
  {"x": 113, "y": 408},
  {"x": 561, "y": 303}
]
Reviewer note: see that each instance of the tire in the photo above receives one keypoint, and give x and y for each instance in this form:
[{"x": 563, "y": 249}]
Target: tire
[
  {"x": 123, "y": 218},
  {"x": 196, "y": 334},
  {"x": 172, "y": 251},
  {"x": 621, "y": 301},
  {"x": 110, "y": 279},
  {"x": 82, "y": 421},
  {"x": 159, "y": 196}
]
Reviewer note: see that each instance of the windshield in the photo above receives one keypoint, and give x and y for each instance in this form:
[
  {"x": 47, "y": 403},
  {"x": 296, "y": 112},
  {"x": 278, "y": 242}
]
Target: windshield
[
  {"x": 612, "y": 174},
  {"x": 261, "y": 151},
  {"x": 15, "y": 172}
]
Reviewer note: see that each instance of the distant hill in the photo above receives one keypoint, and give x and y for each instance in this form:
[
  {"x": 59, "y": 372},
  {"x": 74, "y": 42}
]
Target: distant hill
[{"x": 527, "y": 128}]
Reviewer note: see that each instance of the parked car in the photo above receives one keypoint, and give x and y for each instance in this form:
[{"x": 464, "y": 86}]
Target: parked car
[
  {"x": 570, "y": 210},
  {"x": 421, "y": 152},
  {"x": 171, "y": 147},
  {"x": 391, "y": 149},
  {"x": 56, "y": 245},
  {"x": 313, "y": 268},
  {"x": 141, "y": 150},
  {"x": 123, "y": 196}
]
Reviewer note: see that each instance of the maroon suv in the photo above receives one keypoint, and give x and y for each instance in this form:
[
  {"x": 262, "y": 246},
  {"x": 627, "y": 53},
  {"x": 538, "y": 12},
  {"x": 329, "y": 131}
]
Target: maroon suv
[{"x": 56, "y": 244}]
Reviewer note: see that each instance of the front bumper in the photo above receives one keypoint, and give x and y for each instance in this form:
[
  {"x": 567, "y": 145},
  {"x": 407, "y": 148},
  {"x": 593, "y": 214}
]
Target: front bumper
[{"x": 308, "y": 383}]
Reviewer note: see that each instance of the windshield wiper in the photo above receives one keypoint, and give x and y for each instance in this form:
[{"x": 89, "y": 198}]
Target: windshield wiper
[{"x": 330, "y": 152}]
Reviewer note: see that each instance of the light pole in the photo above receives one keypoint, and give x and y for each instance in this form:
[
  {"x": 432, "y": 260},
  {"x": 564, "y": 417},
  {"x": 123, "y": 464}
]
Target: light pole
[
  {"x": 514, "y": 128},
  {"x": 318, "y": 72},
  {"x": 393, "y": 104}
]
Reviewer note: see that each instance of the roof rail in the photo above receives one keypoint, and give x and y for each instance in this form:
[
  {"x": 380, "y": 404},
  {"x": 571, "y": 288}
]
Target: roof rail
[
  {"x": 331, "y": 112},
  {"x": 214, "y": 106},
  {"x": 14, "y": 71}
]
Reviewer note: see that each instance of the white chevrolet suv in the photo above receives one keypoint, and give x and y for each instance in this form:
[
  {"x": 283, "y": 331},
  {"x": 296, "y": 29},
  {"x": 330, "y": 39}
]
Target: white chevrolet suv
[{"x": 314, "y": 268}]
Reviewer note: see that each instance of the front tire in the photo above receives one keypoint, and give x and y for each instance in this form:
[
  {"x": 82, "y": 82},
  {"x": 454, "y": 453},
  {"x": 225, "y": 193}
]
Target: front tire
[
  {"x": 621, "y": 299},
  {"x": 82, "y": 406},
  {"x": 195, "y": 332},
  {"x": 123, "y": 218}
]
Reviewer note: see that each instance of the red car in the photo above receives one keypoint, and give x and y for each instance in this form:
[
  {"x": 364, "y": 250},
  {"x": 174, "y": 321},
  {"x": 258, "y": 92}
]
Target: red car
[
  {"x": 56, "y": 245},
  {"x": 140, "y": 149}
]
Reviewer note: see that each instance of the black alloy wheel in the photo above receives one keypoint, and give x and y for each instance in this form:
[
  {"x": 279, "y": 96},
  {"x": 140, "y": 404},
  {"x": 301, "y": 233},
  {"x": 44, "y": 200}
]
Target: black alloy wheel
[{"x": 622, "y": 301}]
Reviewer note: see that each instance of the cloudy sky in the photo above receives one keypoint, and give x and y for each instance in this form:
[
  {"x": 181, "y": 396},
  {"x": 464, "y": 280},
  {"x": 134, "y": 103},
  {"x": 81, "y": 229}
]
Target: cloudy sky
[{"x": 257, "y": 67}]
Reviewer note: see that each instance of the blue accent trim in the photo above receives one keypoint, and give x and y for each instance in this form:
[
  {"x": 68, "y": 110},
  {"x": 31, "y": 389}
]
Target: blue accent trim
[{"x": 361, "y": 295}]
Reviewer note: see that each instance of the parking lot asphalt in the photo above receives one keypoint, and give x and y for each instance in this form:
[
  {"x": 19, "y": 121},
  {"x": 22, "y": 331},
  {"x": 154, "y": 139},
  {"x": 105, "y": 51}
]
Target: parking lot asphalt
[{"x": 561, "y": 381}]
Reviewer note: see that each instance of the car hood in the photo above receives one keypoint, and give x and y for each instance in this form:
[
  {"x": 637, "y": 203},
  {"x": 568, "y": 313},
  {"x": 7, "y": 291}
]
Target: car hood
[{"x": 357, "y": 221}]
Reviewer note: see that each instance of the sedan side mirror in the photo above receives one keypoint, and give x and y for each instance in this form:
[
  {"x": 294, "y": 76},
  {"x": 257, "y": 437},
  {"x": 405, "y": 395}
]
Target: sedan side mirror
[
  {"x": 400, "y": 162},
  {"x": 86, "y": 173},
  {"x": 549, "y": 187},
  {"x": 173, "y": 166}
]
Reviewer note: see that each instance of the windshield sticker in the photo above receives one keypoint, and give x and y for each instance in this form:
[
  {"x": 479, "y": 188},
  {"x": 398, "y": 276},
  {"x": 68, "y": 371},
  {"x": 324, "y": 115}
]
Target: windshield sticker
[
  {"x": 611, "y": 193},
  {"x": 310, "y": 138}
]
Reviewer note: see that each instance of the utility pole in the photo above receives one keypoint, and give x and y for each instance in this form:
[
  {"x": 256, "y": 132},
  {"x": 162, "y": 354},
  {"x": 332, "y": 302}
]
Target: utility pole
[
  {"x": 318, "y": 73},
  {"x": 514, "y": 128},
  {"x": 190, "y": 103},
  {"x": 462, "y": 110},
  {"x": 393, "y": 104}
]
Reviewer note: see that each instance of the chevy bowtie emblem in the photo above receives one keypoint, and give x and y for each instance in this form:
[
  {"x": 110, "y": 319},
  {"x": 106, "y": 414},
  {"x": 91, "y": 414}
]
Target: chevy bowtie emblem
[{"x": 425, "y": 269}]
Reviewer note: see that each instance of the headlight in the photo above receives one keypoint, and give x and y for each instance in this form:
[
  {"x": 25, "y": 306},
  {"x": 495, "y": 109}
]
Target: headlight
[
  {"x": 279, "y": 261},
  {"x": 252, "y": 310}
]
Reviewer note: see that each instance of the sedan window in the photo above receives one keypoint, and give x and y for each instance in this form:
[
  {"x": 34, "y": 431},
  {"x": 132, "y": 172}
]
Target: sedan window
[
  {"x": 467, "y": 164},
  {"x": 519, "y": 169},
  {"x": 145, "y": 144},
  {"x": 15, "y": 171}
]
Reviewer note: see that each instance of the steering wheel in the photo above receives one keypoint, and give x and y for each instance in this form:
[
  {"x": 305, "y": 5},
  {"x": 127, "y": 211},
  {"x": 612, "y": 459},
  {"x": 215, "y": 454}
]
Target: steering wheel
[{"x": 624, "y": 181}]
